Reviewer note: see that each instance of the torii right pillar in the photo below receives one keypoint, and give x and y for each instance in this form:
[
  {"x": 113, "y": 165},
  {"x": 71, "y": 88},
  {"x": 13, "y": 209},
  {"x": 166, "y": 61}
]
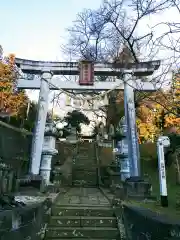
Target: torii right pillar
[
  {"x": 130, "y": 116},
  {"x": 135, "y": 186}
]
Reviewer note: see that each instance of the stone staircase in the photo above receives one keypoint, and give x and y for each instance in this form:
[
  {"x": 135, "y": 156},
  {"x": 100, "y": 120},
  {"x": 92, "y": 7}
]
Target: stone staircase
[
  {"x": 84, "y": 172},
  {"x": 82, "y": 222}
]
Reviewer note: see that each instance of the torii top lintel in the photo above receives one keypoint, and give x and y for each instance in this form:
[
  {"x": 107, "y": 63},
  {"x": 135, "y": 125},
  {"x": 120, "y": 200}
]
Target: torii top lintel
[{"x": 72, "y": 68}]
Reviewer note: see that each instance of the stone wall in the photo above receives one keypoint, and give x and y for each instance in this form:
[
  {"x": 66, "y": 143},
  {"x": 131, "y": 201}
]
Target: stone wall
[
  {"x": 28, "y": 222},
  {"x": 15, "y": 145},
  {"x": 141, "y": 223}
]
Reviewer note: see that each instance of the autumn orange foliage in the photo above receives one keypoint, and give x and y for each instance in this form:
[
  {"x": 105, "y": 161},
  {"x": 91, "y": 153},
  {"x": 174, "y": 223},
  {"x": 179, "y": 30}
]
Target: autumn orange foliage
[
  {"x": 156, "y": 112},
  {"x": 10, "y": 102}
]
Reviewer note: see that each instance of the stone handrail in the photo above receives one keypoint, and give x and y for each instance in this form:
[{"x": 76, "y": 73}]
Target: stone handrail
[
  {"x": 142, "y": 223},
  {"x": 27, "y": 222},
  {"x": 20, "y": 130}
]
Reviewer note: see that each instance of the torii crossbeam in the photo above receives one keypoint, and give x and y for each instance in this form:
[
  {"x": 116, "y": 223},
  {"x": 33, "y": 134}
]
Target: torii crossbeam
[
  {"x": 100, "y": 69},
  {"x": 71, "y": 68},
  {"x": 46, "y": 83},
  {"x": 56, "y": 84}
]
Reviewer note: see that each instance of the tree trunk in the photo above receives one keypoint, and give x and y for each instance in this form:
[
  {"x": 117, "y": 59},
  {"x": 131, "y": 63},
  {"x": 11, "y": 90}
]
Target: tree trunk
[{"x": 177, "y": 165}]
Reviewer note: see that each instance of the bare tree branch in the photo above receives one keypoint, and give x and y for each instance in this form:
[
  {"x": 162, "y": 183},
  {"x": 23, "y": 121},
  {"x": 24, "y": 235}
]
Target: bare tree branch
[{"x": 100, "y": 35}]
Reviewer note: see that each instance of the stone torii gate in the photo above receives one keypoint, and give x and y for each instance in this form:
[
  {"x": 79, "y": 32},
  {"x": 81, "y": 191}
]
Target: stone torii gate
[{"x": 45, "y": 82}]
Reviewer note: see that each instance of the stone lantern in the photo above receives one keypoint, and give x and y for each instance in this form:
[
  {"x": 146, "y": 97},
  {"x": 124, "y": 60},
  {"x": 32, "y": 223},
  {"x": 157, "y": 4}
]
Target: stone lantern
[
  {"x": 103, "y": 137},
  {"x": 121, "y": 150},
  {"x": 72, "y": 138},
  {"x": 48, "y": 151}
]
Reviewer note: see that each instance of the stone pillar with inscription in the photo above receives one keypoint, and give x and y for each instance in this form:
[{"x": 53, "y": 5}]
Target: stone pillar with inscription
[
  {"x": 123, "y": 151},
  {"x": 38, "y": 136},
  {"x": 48, "y": 151},
  {"x": 131, "y": 126},
  {"x": 134, "y": 186}
]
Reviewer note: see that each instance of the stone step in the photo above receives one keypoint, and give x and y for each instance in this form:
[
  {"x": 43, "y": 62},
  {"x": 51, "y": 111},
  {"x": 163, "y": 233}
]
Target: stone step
[
  {"x": 84, "y": 160},
  {"x": 86, "y": 152},
  {"x": 82, "y": 232},
  {"x": 85, "y": 167},
  {"x": 84, "y": 177},
  {"x": 85, "y": 155},
  {"x": 81, "y": 170},
  {"x": 80, "y": 238},
  {"x": 104, "y": 206},
  {"x": 86, "y": 145},
  {"x": 82, "y": 211},
  {"x": 84, "y": 174},
  {"x": 86, "y": 149},
  {"x": 79, "y": 221},
  {"x": 82, "y": 183}
]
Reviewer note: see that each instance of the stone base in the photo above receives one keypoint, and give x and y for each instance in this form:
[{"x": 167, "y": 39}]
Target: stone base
[
  {"x": 118, "y": 191},
  {"x": 114, "y": 178},
  {"x": 133, "y": 188},
  {"x": 52, "y": 188},
  {"x": 34, "y": 181},
  {"x": 66, "y": 180},
  {"x": 137, "y": 187},
  {"x": 164, "y": 201}
]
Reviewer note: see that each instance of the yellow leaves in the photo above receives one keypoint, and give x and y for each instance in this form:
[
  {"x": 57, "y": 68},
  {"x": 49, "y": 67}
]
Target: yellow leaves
[
  {"x": 144, "y": 113},
  {"x": 147, "y": 131},
  {"x": 172, "y": 121},
  {"x": 6, "y": 73},
  {"x": 10, "y": 101},
  {"x": 142, "y": 129},
  {"x": 120, "y": 97},
  {"x": 11, "y": 59},
  {"x": 156, "y": 111}
]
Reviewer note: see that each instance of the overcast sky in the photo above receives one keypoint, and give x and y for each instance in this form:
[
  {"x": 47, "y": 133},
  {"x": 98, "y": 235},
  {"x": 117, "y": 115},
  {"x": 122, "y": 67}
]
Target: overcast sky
[{"x": 35, "y": 29}]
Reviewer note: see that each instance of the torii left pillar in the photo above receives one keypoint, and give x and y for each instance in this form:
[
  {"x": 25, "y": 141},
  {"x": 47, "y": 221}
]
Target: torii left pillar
[{"x": 38, "y": 136}]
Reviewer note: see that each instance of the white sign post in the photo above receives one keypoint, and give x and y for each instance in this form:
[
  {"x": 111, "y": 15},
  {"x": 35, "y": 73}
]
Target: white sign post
[{"x": 162, "y": 142}]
